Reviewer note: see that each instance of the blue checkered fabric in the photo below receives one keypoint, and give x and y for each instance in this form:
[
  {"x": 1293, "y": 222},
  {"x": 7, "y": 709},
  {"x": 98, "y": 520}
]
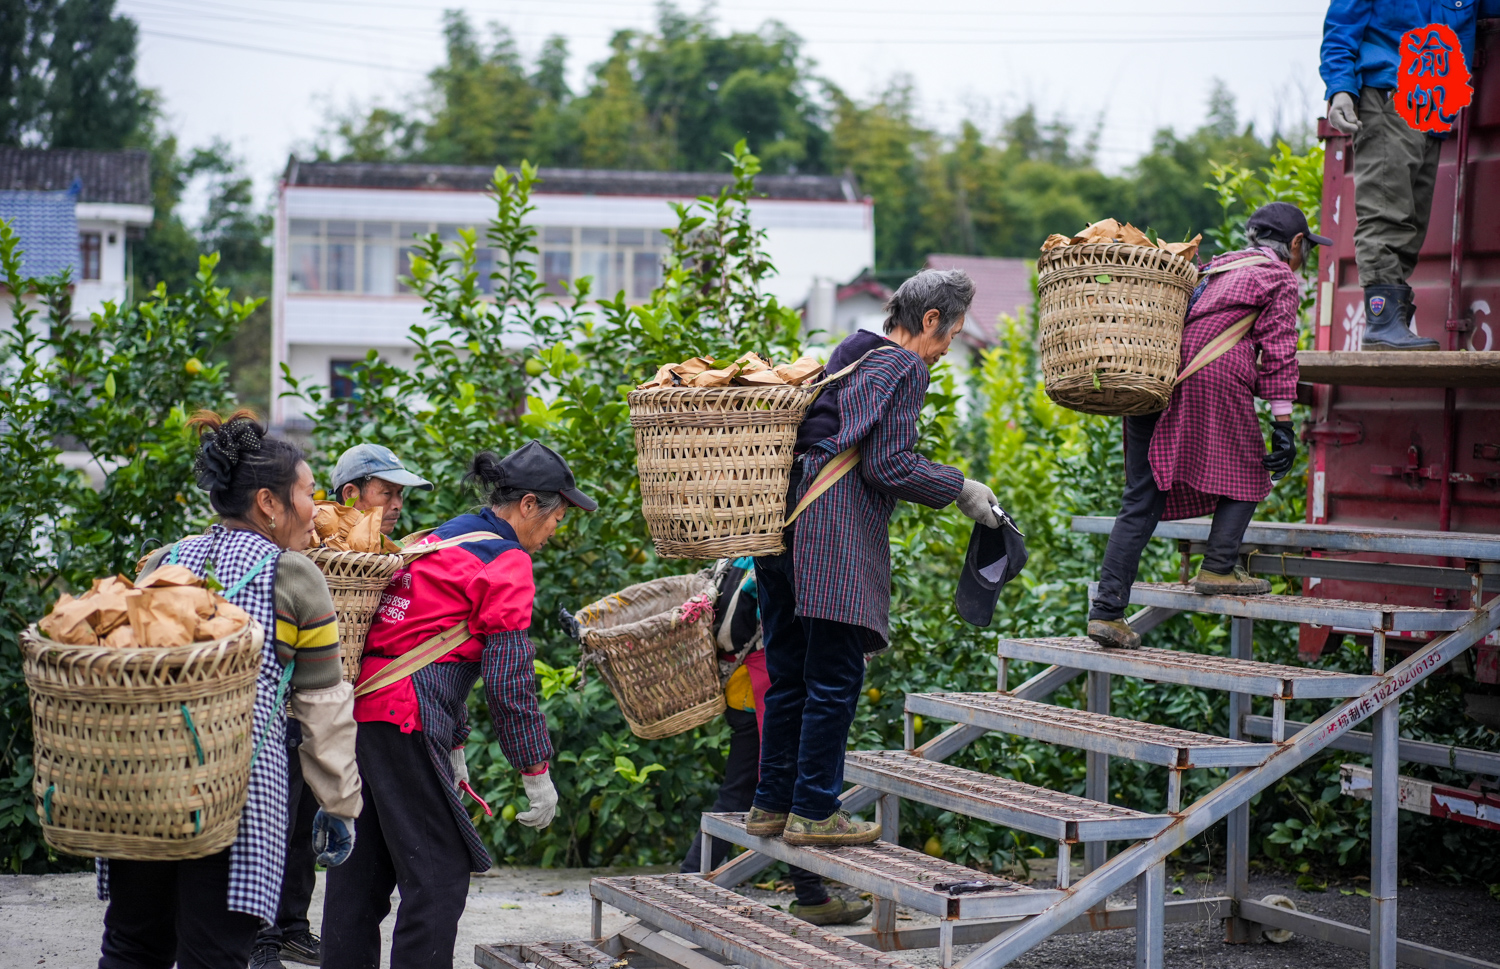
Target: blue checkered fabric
[
  {"x": 841, "y": 545},
  {"x": 257, "y": 856},
  {"x": 442, "y": 692}
]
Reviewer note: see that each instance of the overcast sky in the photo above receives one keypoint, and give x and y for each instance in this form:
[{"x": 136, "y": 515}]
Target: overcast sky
[{"x": 263, "y": 73}]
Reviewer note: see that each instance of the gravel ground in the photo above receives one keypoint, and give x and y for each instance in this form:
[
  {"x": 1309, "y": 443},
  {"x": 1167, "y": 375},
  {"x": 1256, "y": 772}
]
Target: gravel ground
[{"x": 54, "y": 921}]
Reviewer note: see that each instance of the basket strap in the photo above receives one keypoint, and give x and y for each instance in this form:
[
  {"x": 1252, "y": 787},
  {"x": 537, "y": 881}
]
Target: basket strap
[
  {"x": 821, "y": 385},
  {"x": 281, "y": 688},
  {"x": 413, "y": 551},
  {"x": 1218, "y": 346},
  {"x": 425, "y": 654},
  {"x": 842, "y": 463}
]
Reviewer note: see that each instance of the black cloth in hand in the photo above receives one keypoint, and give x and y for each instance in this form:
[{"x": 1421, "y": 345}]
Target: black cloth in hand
[{"x": 1283, "y": 450}]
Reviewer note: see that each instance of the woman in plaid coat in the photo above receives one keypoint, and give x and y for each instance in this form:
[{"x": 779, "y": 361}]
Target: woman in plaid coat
[
  {"x": 826, "y": 604},
  {"x": 1204, "y": 453}
]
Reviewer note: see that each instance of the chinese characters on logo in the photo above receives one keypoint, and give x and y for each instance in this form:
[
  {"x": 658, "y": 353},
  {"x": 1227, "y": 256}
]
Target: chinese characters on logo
[{"x": 1433, "y": 79}]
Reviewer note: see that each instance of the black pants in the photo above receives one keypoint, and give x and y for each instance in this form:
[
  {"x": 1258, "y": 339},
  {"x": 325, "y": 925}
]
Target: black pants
[
  {"x": 166, "y": 912},
  {"x": 1141, "y": 507},
  {"x": 406, "y": 837},
  {"x": 817, "y": 667},
  {"x": 300, "y": 876},
  {"x": 736, "y": 794}
]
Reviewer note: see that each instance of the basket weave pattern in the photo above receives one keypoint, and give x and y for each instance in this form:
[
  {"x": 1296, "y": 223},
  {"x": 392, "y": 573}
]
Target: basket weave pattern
[
  {"x": 1112, "y": 347},
  {"x": 356, "y": 580},
  {"x": 714, "y": 463},
  {"x": 119, "y": 771},
  {"x": 664, "y": 673}
]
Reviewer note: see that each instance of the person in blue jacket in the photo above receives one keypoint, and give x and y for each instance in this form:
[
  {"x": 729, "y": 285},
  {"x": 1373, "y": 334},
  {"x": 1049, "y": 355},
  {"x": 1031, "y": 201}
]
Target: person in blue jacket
[{"x": 1395, "y": 166}]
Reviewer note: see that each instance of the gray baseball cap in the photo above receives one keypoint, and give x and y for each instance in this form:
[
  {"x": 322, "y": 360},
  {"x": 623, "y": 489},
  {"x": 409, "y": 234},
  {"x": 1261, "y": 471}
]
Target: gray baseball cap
[{"x": 374, "y": 461}]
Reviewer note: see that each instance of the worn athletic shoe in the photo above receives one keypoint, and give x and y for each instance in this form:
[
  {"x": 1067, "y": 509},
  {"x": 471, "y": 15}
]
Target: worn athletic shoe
[
  {"x": 1236, "y": 583},
  {"x": 1114, "y": 632},
  {"x": 835, "y": 911},
  {"x": 836, "y": 829},
  {"x": 266, "y": 957},
  {"x": 303, "y": 947},
  {"x": 764, "y": 824}
]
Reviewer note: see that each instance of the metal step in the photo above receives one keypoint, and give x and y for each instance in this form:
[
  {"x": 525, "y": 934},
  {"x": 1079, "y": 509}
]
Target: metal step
[
  {"x": 1189, "y": 669},
  {"x": 542, "y": 955},
  {"x": 1050, "y": 814},
  {"x": 1323, "y": 612},
  {"x": 891, "y": 871},
  {"x": 1148, "y": 743},
  {"x": 1400, "y": 541},
  {"x": 743, "y": 931}
]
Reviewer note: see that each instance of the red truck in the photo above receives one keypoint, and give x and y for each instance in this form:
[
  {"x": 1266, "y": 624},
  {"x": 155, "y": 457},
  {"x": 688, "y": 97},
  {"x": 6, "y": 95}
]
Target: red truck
[{"x": 1412, "y": 440}]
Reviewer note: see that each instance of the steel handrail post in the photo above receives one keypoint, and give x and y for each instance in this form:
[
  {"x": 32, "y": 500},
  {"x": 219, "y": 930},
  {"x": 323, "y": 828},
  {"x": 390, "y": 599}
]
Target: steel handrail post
[{"x": 1118, "y": 871}]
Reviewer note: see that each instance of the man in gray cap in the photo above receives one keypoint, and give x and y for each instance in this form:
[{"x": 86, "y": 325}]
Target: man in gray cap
[{"x": 373, "y": 477}]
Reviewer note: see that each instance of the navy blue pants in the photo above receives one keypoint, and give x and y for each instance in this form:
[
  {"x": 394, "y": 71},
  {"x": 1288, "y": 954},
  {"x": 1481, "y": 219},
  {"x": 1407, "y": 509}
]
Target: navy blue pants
[
  {"x": 817, "y": 667},
  {"x": 735, "y": 794},
  {"x": 1141, "y": 508}
]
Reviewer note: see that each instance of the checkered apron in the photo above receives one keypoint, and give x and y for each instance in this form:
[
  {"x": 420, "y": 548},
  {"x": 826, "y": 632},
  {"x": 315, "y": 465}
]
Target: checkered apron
[{"x": 257, "y": 856}]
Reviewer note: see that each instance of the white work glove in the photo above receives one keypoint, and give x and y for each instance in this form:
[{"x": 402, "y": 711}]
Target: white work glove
[
  {"x": 460, "y": 767},
  {"x": 978, "y": 502},
  {"x": 543, "y": 797},
  {"x": 1342, "y": 114}
]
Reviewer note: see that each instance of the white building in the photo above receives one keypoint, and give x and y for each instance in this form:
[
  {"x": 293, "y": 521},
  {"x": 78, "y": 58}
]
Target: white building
[
  {"x": 344, "y": 232},
  {"x": 75, "y": 210}
]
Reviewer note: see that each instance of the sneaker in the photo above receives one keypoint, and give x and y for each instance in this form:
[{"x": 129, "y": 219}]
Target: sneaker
[
  {"x": 266, "y": 957},
  {"x": 1236, "y": 583},
  {"x": 835, "y": 911},
  {"x": 836, "y": 829},
  {"x": 764, "y": 824},
  {"x": 1114, "y": 633},
  {"x": 303, "y": 947}
]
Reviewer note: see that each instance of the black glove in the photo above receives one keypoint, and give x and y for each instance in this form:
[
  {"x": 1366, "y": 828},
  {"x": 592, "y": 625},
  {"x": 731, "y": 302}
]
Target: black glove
[
  {"x": 1283, "y": 450},
  {"x": 569, "y": 624}
]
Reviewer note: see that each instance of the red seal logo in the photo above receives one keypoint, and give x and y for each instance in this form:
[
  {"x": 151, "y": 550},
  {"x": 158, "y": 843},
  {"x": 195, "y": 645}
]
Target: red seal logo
[{"x": 1433, "y": 81}]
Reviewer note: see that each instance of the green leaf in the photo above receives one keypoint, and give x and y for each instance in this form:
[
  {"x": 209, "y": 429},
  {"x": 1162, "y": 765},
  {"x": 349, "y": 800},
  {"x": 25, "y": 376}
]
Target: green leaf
[
  {"x": 109, "y": 386},
  {"x": 1104, "y": 278}
]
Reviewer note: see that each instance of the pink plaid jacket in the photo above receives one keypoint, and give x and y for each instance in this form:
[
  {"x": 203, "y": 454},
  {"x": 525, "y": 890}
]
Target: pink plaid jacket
[
  {"x": 841, "y": 549},
  {"x": 1208, "y": 441}
]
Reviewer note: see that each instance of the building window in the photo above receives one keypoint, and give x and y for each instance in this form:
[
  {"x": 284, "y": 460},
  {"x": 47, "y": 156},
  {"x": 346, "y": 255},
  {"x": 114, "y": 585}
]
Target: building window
[
  {"x": 89, "y": 250},
  {"x": 372, "y": 258},
  {"x": 341, "y": 379}
]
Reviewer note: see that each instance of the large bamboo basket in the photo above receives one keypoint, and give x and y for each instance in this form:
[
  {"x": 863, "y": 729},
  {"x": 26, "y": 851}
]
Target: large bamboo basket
[
  {"x": 714, "y": 464},
  {"x": 663, "y": 672},
  {"x": 142, "y": 754},
  {"x": 356, "y": 581},
  {"x": 1110, "y": 323}
]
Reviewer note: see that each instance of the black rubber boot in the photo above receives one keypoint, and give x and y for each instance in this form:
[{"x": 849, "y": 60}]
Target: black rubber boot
[{"x": 1388, "y": 310}]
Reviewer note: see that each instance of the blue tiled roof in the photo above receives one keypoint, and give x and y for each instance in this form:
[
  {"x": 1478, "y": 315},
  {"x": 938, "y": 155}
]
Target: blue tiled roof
[{"x": 47, "y": 223}]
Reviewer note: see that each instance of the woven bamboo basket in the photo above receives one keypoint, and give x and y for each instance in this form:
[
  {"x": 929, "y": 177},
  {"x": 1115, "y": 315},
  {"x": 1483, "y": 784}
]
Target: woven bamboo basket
[
  {"x": 663, "y": 672},
  {"x": 714, "y": 464},
  {"x": 1111, "y": 326},
  {"x": 356, "y": 580},
  {"x": 142, "y": 754}
]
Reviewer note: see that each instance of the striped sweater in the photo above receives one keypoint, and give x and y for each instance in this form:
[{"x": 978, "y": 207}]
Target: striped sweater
[{"x": 306, "y": 629}]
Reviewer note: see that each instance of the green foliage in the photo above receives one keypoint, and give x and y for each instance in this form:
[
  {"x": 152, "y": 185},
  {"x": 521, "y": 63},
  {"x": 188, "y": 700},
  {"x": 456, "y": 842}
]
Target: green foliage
[
  {"x": 69, "y": 75},
  {"x": 118, "y": 389}
]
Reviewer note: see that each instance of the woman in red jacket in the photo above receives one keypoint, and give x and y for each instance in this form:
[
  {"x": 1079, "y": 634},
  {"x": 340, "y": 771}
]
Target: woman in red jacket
[{"x": 452, "y": 614}]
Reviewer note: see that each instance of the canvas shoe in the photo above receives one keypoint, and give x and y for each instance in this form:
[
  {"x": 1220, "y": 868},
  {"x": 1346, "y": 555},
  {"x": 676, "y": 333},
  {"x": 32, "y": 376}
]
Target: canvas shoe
[
  {"x": 836, "y": 829},
  {"x": 266, "y": 957},
  {"x": 764, "y": 824},
  {"x": 835, "y": 911},
  {"x": 1236, "y": 583},
  {"x": 1115, "y": 633}
]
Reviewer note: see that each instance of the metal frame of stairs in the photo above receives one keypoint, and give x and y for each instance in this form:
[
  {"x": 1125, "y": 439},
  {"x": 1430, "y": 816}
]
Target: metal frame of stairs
[{"x": 1007, "y": 919}]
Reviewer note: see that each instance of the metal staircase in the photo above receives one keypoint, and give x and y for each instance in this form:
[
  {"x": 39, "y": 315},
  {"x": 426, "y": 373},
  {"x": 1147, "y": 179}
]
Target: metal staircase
[{"x": 1006, "y": 919}]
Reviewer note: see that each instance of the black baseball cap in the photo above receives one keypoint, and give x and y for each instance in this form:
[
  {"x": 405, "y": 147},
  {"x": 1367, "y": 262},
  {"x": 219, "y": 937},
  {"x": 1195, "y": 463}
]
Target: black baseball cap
[
  {"x": 536, "y": 467},
  {"x": 1284, "y": 220}
]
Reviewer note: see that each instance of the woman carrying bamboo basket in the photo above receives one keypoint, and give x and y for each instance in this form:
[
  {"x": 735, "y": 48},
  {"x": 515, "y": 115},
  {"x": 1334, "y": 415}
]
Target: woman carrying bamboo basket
[{"x": 203, "y": 913}]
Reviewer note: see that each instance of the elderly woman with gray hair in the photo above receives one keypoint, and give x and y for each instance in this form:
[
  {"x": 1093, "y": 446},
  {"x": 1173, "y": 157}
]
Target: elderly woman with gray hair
[{"x": 825, "y": 604}]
